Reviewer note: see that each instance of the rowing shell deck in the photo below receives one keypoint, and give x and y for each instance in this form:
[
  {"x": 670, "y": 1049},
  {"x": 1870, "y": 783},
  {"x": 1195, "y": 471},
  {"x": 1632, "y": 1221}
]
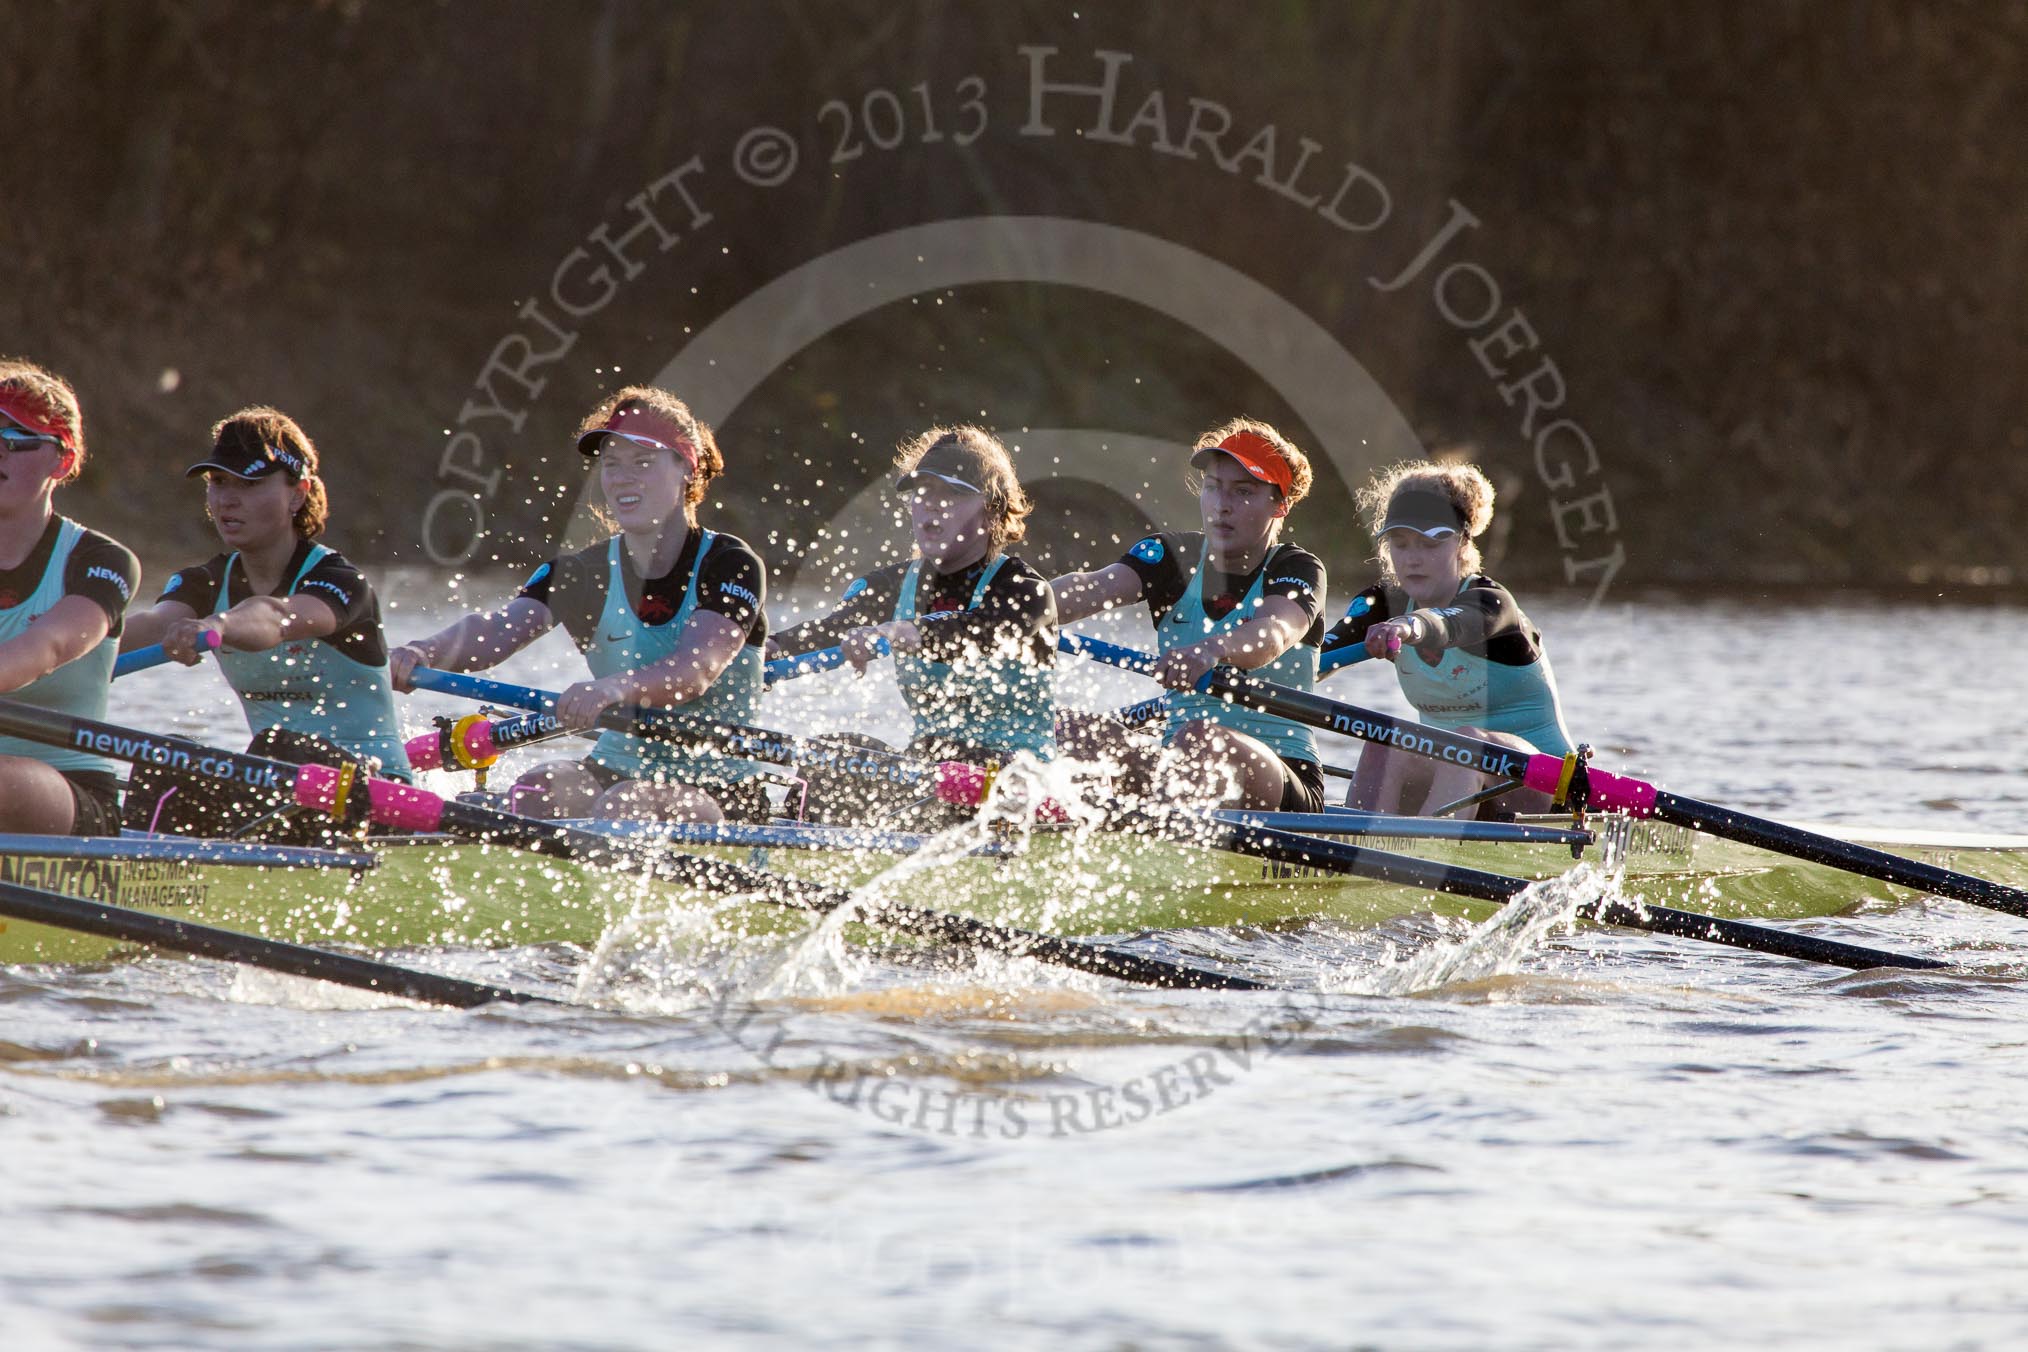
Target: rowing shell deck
[{"x": 430, "y": 891}]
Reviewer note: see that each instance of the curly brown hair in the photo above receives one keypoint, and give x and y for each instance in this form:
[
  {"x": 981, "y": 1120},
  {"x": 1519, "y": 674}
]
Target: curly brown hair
[
  {"x": 1300, "y": 476},
  {"x": 649, "y": 399},
  {"x": 1007, "y": 503},
  {"x": 1465, "y": 484},
  {"x": 51, "y": 400},
  {"x": 245, "y": 435}
]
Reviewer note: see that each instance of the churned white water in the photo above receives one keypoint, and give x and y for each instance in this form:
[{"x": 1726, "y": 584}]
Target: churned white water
[{"x": 1524, "y": 1137}]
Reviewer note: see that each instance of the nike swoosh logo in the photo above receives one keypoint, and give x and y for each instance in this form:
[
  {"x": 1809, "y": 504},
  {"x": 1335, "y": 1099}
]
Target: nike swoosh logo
[{"x": 616, "y": 638}]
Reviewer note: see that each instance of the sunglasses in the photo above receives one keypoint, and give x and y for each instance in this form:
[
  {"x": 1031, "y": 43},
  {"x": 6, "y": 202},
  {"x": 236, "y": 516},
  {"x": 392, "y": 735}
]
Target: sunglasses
[{"x": 20, "y": 440}]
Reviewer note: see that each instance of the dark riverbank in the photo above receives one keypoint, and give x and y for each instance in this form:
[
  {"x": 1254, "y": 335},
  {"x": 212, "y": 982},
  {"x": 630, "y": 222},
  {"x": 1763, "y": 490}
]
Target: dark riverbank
[{"x": 1771, "y": 252}]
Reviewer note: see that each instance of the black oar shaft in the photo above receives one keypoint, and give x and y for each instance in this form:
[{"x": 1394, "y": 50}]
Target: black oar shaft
[
  {"x": 1504, "y": 762},
  {"x": 205, "y": 941},
  {"x": 1758, "y": 938},
  {"x": 1839, "y": 854},
  {"x": 1338, "y": 856}
]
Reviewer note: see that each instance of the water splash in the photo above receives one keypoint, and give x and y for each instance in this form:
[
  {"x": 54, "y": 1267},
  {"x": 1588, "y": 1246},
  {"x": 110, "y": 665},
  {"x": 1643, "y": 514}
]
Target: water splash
[
  {"x": 823, "y": 964},
  {"x": 1496, "y": 947},
  {"x": 672, "y": 953}
]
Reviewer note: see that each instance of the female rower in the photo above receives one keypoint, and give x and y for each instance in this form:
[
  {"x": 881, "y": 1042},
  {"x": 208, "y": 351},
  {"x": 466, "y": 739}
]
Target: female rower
[
  {"x": 1467, "y": 658},
  {"x": 63, "y": 590},
  {"x": 666, "y": 613},
  {"x": 1233, "y": 594},
  {"x": 972, "y": 627},
  {"x": 297, "y": 626}
]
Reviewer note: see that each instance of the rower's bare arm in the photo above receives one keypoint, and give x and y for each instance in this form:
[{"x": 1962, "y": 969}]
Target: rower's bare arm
[
  {"x": 1277, "y": 626},
  {"x": 1079, "y": 595},
  {"x": 710, "y": 641},
  {"x": 145, "y": 628},
  {"x": 263, "y": 622},
  {"x": 63, "y": 633},
  {"x": 474, "y": 642}
]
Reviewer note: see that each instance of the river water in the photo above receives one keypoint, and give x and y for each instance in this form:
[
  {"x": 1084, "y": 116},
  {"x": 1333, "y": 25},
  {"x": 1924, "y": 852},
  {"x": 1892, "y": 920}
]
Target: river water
[{"x": 1601, "y": 1139}]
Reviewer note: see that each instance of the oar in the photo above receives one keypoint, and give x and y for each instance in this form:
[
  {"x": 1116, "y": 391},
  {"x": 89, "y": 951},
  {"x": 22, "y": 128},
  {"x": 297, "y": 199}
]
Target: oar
[
  {"x": 803, "y": 664},
  {"x": 963, "y": 784},
  {"x": 1305, "y": 851},
  {"x": 662, "y": 725},
  {"x": 1338, "y": 658},
  {"x": 1569, "y": 779},
  {"x": 354, "y": 800},
  {"x": 1345, "y": 656},
  {"x": 475, "y": 742},
  {"x": 812, "y": 663},
  {"x": 140, "y": 659},
  {"x": 185, "y": 936}
]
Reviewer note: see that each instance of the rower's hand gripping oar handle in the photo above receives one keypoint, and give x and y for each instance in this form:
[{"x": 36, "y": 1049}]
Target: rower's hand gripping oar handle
[
  {"x": 154, "y": 655},
  {"x": 811, "y": 663},
  {"x": 471, "y": 741}
]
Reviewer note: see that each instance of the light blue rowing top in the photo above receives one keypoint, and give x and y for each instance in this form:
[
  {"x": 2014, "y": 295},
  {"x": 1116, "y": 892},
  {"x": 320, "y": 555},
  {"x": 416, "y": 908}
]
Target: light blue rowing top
[
  {"x": 310, "y": 686},
  {"x": 1187, "y": 623},
  {"x": 625, "y": 642},
  {"x": 1464, "y": 690},
  {"x": 998, "y": 704},
  {"x": 78, "y": 687}
]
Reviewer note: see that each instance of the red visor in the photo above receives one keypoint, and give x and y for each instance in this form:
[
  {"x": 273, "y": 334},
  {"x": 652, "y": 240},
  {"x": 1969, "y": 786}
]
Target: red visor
[
  {"x": 1258, "y": 457},
  {"x": 35, "y": 419}
]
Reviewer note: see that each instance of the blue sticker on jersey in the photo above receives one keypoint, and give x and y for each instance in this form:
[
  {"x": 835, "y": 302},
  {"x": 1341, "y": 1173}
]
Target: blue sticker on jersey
[
  {"x": 537, "y": 576},
  {"x": 858, "y": 586},
  {"x": 1148, "y": 551},
  {"x": 174, "y": 583}
]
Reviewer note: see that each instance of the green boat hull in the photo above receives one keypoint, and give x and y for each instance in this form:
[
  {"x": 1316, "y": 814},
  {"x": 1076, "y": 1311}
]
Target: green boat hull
[{"x": 440, "y": 893}]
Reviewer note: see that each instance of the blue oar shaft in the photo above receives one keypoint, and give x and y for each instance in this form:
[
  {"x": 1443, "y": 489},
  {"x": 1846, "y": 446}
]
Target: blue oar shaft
[
  {"x": 811, "y": 663},
  {"x": 154, "y": 655},
  {"x": 666, "y": 725},
  {"x": 1114, "y": 655}
]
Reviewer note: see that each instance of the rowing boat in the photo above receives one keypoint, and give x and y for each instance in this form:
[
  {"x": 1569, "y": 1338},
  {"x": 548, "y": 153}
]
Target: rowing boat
[{"x": 432, "y": 890}]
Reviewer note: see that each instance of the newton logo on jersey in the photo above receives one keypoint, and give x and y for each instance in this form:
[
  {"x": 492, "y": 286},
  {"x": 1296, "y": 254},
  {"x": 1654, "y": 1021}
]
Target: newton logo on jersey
[
  {"x": 119, "y": 583},
  {"x": 1148, "y": 551}
]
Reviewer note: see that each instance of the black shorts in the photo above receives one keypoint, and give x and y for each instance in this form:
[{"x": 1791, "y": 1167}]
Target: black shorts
[
  {"x": 1302, "y": 786},
  {"x": 95, "y": 802},
  {"x": 746, "y": 801}
]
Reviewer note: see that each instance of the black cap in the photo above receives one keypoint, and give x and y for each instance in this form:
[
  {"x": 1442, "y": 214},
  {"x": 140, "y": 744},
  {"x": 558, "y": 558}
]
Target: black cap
[
  {"x": 1422, "y": 510},
  {"x": 950, "y": 461},
  {"x": 269, "y": 460}
]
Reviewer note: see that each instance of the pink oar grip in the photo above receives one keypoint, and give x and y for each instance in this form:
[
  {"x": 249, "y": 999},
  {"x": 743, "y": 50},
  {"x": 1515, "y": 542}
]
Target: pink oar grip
[
  {"x": 964, "y": 785},
  {"x": 426, "y": 752},
  {"x": 1609, "y": 793},
  {"x": 423, "y": 752},
  {"x": 959, "y": 784},
  {"x": 1617, "y": 793},
  {"x": 392, "y": 802}
]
